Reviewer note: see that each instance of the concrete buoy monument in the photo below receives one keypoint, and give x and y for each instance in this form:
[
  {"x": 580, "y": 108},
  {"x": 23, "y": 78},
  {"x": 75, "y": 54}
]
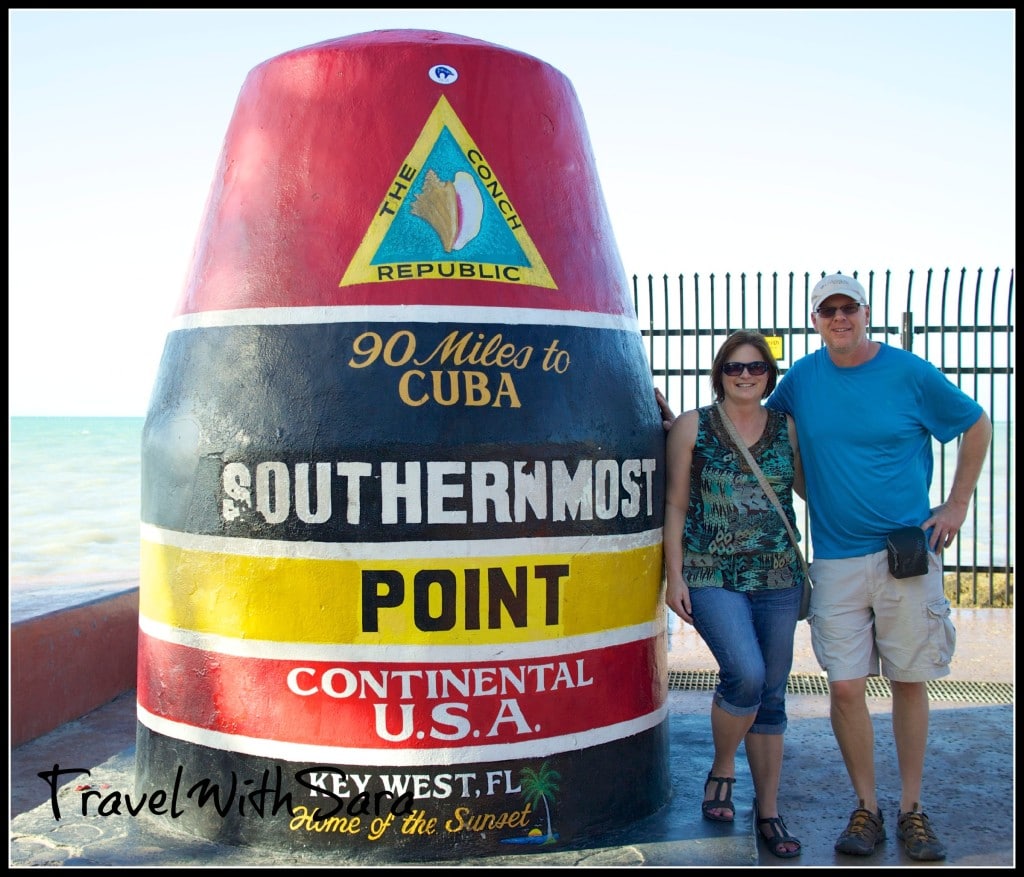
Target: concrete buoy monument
[{"x": 402, "y": 474}]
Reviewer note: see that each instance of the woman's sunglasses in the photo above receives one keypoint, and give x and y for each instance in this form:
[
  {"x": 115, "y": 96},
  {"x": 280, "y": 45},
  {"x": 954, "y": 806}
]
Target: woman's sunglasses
[{"x": 735, "y": 369}]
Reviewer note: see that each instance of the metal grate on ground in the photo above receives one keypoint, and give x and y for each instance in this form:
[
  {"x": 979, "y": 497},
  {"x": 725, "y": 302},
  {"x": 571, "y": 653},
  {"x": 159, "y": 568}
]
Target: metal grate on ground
[{"x": 810, "y": 683}]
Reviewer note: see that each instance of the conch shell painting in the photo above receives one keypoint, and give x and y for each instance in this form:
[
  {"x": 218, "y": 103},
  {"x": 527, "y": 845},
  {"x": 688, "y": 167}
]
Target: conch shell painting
[{"x": 453, "y": 208}]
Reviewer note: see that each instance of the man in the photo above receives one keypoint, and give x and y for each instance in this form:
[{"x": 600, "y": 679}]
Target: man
[{"x": 866, "y": 414}]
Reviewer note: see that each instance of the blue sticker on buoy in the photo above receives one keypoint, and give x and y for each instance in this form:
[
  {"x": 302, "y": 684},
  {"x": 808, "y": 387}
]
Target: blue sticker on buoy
[{"x": 442, "y": 74}]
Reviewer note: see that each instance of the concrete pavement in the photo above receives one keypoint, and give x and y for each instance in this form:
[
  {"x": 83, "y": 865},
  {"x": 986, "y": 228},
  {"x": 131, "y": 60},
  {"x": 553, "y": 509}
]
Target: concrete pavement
[{"x": 969, "y": 788}]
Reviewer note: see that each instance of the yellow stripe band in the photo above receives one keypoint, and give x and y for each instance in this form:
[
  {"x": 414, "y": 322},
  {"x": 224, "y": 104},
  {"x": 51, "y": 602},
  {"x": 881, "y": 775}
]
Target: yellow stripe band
[{"x": 384, "y": 599}]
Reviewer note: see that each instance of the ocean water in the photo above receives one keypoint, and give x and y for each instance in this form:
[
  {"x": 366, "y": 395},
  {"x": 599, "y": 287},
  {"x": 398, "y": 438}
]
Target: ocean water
[
  {"x": 74, "y": 490},
  {"x": 74, "y": 500}
]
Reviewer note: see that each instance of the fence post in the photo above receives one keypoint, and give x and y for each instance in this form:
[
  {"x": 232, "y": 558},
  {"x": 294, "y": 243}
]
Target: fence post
[{"x": 907, "y": 331}]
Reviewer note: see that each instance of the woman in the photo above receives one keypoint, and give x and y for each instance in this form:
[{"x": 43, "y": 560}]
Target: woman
[{"x": 732, "y": 571}]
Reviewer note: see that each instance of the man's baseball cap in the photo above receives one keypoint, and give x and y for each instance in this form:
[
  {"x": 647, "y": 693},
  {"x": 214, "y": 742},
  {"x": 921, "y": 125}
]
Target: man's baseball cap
[{"x": 837, "y": 284}]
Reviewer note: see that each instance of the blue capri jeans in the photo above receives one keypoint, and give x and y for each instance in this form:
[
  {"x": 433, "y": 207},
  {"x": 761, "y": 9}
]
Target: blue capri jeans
[{"x": 751, "y": 637}]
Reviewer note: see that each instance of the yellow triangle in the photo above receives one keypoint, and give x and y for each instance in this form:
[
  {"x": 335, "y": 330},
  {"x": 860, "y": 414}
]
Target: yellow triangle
[{"x": 452, "y": 220}]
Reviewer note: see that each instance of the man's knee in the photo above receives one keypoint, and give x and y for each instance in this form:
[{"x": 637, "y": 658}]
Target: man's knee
[{"x": 847, "y": 692}]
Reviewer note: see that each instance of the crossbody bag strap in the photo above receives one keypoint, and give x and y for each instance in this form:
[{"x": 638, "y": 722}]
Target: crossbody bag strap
[{"x": 765, "y": 486}]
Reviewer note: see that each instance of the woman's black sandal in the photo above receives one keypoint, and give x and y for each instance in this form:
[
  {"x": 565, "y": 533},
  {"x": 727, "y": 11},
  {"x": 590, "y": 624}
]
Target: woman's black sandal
[
  {"x": 780, "y": 835},
  {"x": 718, "y": 802}
]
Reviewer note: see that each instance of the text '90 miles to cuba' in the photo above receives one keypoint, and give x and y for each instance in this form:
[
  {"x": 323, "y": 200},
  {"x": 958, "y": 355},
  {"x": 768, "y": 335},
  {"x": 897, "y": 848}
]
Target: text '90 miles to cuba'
[{"x": 449, "y": 374}]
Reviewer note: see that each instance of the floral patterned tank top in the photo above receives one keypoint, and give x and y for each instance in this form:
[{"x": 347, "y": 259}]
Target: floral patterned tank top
[{"x": 733, "y": 536}]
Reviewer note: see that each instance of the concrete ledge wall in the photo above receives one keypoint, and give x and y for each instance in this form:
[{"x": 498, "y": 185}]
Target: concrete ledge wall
[{"x": 69, "y": 662}]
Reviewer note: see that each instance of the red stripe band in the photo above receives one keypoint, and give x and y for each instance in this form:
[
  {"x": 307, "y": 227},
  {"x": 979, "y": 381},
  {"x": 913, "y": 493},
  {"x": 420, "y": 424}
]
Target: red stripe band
[{"x": 380, "y": 705}]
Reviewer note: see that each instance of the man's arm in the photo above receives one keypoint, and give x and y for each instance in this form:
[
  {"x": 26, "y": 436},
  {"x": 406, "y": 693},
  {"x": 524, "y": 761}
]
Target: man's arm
[
  {"x": 948, "y": 518},
  {"x": 667, "y": 414}
]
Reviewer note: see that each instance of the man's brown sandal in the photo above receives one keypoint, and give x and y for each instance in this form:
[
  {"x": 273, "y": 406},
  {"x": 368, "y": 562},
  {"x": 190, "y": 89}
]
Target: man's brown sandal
[
  {"x": 865, "y": 831},
  {"x": 719, "y": 802},
  {"x": 919, "y": 839}
]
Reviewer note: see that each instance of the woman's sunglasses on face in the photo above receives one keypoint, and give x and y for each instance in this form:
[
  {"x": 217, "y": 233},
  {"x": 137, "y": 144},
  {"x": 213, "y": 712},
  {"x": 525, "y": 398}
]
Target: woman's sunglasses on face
[
  {"x": 755, "y": 369},
  {"x": 829, "y": 311}
]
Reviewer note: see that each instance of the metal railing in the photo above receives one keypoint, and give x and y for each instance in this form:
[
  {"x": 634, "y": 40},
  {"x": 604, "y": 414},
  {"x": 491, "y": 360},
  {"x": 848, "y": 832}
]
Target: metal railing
[{"x": 962, "y": 323}]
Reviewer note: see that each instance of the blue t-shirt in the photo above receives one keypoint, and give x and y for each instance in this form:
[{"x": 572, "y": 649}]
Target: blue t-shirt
[{"x": 866, "y": 442}]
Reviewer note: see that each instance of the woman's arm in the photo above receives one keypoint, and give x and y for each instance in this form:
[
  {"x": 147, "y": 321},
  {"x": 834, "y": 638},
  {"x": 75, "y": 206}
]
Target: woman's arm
[{"x": 678, "y": 462}]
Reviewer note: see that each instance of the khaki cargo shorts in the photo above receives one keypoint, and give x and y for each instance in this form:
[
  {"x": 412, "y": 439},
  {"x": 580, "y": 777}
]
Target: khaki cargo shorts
[{"x": 864, "y": 621}]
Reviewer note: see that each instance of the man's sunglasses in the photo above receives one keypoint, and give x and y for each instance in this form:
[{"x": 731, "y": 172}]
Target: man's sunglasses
[
  {"x": 735, "y": 369},
  {"x": 829, "y": 311}
]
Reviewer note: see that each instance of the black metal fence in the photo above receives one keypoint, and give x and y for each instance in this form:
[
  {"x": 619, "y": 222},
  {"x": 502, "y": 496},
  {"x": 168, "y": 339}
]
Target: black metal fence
[{"x": 961, "y": 322}]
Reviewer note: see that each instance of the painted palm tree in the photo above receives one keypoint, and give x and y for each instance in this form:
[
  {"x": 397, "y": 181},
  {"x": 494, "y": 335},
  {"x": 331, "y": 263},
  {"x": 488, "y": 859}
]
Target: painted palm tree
[{"x": 539, "y": 786}]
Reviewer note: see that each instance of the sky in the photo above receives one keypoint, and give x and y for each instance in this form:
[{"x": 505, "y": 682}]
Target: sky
[{"x": 725, "y": 141}]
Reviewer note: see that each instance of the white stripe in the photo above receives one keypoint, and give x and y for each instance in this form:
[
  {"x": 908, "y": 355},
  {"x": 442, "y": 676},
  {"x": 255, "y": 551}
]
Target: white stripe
[
  {"x": 403, "y": 314},
  {"x": 280, "y": 750},
  {"x": 390, "y": 653},
  {"x": 442, "y": 549}
]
